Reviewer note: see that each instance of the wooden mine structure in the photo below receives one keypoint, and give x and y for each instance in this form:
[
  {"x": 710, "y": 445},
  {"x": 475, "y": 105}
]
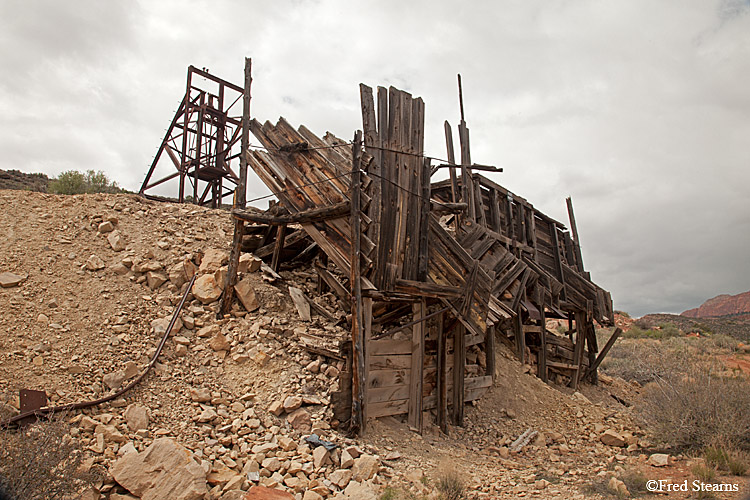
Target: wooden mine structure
[
  {"x": 199, "y": 144},
  {"x": 432, "y": 274}
]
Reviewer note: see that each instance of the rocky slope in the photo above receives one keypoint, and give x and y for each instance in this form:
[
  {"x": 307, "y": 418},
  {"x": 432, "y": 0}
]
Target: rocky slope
[
  {"x": 231, "y": 403},
  {"x": 14, "y": 179},
  {"x": 721, "y": 305}
]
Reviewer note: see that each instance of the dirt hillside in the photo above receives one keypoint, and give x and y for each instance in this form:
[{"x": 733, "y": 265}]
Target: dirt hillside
[{"x": 100, "y": 275}]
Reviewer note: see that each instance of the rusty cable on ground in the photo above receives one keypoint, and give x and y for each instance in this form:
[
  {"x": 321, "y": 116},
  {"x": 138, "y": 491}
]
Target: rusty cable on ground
[{"x": 87, "y": 404}]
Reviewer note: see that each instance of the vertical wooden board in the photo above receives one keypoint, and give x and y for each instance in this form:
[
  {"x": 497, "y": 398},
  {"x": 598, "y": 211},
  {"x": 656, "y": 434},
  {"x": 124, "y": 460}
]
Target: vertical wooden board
[
  {"x": 367, "y": 319},
  {"x": 459, "y": 362},
  {"x": 495, "y": 219},
  {"x": 490, "y": 352},
  {"x": 542, "y": 354},
  {"x": 373, "y": 146},
  {"x": 417, "y": 367},
  {"x": 424, "y": 229},
  {"x": 442, "y": 380}
]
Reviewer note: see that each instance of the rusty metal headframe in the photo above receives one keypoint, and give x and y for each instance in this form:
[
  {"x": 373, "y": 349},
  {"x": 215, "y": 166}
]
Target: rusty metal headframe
[{"x": 200, "y": 142}]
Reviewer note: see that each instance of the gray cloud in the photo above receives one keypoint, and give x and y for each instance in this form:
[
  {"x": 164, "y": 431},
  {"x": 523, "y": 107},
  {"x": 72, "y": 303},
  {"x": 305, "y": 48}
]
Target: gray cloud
[{"x": 638, "y": 110}]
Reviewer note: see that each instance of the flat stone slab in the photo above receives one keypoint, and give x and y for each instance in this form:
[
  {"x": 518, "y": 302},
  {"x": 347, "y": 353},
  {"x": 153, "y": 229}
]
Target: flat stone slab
[{"x": 9, "y": 280}]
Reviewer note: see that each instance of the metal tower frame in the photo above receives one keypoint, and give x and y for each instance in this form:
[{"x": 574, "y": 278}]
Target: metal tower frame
[{"x": 200, "y": 142}]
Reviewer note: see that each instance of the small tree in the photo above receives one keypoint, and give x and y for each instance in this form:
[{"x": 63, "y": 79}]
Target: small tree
[{"x": 74, "y": 182}]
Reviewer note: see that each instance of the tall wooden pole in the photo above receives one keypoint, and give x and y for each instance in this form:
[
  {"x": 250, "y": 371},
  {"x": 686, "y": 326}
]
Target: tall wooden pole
[
  {"x": 358, "y": 342},
  {"x": 240, "y": 198}
]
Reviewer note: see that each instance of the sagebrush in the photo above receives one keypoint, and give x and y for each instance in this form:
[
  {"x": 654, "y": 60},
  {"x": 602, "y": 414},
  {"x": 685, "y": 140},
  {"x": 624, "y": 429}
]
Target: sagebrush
[{"x": 42, "y": 461}]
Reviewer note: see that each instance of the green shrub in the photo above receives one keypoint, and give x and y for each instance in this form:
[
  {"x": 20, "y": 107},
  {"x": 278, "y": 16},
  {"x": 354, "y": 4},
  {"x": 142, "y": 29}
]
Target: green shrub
[{"x": 74, "y": 182}]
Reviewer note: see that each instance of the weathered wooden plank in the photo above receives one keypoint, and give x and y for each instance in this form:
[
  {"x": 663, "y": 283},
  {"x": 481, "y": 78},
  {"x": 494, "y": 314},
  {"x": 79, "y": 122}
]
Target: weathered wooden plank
[
  {"x": 459, "y": 362},
  {"x": 442, "y": 377},
  {"x": 280, "y": 236},
  {"x": 542, "y": 355},
  {"x": 417, "y": 366},
  {"x": 240, "y": 195},
  {"x": 317, "y": 214},
  {"x": 385, "y": 394},
  {"x": 605, "y": 350},
  {"x": 385, "y": 347},
  {"x": 388, "y": 378},
  {"x": 387, "y": 408},
  {"x": 359, "y": 369},
  {"x": 389, "y": 361}
]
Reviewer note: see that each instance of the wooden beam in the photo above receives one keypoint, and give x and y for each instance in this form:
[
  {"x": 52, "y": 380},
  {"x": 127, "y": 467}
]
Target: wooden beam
[
  {"x": 459, "y": 362},
  {"x": 578, "y": 356},
  {"x": 574, "y": 230},
  {"x": 442, "y": 380},
  {"x": 605, "y": 350},
  {"x": 489, "y": 347},
  {"x": 359, "y": 370},
  {"x": 239, "y": 197},
  {"x": 417, "y": 366},
  {"x": 318, "y": 214},
  {"x": 280, "y": 236},
  {"x": 542, "y": 355}
]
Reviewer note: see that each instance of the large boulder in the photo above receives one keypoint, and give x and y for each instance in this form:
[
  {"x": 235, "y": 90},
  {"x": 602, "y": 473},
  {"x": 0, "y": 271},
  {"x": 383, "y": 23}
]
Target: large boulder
[
  {"x": 164, "y": 470},
  {"x": 611, "y": 438},
  {"x": 246, "y": 295},
  {"x": 205, "y": 289},
  {"x": 212, "y": 260},
  {"x": 263, "y": 493}
]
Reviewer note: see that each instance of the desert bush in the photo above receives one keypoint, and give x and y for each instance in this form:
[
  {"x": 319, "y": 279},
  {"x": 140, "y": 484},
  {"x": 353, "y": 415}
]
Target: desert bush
[
  {"x": 688, "y": 406},
  {"x": 663, "y": 331},
  {"x": 704, "y": 472},
  {"x": 74, "y": 182},
  {"x": 634, "y": 481},
  {"x": 726, "y": 458},
  {"x": 41, "y": 461},
  {"x": 724, "y": 341},
  {"x": 450, "y": 485}
]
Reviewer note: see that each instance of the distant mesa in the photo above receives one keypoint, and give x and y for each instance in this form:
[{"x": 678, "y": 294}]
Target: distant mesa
[{"x": 721, "y": 305}]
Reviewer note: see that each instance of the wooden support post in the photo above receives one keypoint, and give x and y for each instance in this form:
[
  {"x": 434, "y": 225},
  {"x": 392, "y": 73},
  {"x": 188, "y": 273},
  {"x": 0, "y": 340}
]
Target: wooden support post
[
  {"x": 459, "y": 363},
  {"x": 280, "y": 236},
  {"x": 605, "y": 350},
  {"x": 591, "y": 348},
  {"x": 520, "y": 337},
  {"x": 578, "y": 355},
  {"x": 489, "y": 346},
  {"x": 442, "y": 377},
  {"x": 359, "y": 383},
  {"x": 451, "y": 161},
  {"x": 367, "y": 330},
  {"x": 574, "y": 230},
  {"x": 240, "y": 197},
  {"x": 542, "y": 356},
  {"x": 322, "y": 263},
  {"x": 417, "y": 366}
]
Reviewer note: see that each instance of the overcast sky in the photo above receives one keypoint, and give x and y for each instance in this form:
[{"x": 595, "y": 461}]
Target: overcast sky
[{"x": 639, "y": 110}]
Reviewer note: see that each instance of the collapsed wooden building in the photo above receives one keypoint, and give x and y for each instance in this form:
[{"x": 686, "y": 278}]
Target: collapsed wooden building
[{"x": 434, "y": 273}]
